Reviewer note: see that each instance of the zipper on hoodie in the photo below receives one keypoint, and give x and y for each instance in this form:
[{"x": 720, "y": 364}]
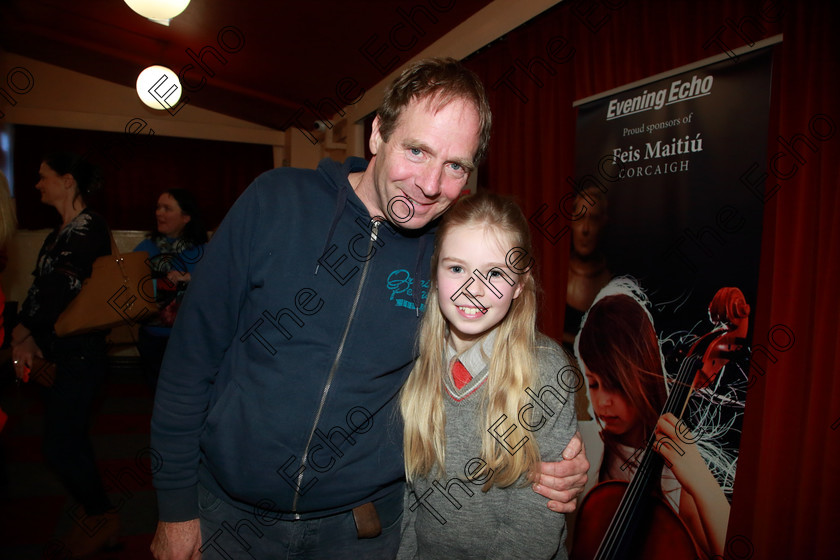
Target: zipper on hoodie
[{"x": 374, "y": 233}]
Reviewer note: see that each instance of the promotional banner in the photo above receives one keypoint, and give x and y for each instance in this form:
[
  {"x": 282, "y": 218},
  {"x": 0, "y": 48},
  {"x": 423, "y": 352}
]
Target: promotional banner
[{"x": 664, "y": 200}]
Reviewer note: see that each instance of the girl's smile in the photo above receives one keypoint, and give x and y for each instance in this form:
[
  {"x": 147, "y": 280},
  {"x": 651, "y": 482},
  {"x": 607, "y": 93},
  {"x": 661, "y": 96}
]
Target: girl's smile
[{"x": 470, "y": 312}]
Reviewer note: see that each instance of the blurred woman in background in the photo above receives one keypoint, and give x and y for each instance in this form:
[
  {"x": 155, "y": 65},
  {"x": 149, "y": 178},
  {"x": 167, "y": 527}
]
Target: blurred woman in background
[
  {"x": 64, "y": 262},
  {"x": 174, "y": 249}
]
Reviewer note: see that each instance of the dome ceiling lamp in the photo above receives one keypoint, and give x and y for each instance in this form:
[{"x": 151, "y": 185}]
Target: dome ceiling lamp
[
  {"x": 159, "y": 11},
  {"x": 159, "y": 88}
]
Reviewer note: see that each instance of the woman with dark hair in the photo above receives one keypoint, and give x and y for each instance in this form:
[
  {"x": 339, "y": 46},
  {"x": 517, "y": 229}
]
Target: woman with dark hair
[
  {"x": 174, "y": 248},
  {"x": 619, "y": 351},
  {"x": 64, "y": 262}
]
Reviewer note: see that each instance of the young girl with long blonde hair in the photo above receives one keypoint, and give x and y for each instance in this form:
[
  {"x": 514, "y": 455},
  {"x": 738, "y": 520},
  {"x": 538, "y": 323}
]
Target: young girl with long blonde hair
[{"x": 488, "y": 398}]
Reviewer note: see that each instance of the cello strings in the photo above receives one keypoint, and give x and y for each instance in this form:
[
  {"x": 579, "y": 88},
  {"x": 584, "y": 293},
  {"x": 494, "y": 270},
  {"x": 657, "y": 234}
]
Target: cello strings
[{"x": 618, "y": 526}]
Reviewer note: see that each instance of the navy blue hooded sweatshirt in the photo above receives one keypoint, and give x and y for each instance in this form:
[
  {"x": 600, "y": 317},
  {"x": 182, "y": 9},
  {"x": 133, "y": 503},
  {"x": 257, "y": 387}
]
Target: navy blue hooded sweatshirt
[{"x": 280, "y": 382}]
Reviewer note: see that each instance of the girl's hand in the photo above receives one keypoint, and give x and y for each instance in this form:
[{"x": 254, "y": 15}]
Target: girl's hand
[
  {"x": 708, "y": 523},
  {"x": 683, "y": 458}
]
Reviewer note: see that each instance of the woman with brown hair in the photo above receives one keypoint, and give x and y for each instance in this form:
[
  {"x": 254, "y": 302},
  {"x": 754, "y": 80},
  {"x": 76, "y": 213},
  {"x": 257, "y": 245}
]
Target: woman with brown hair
[
  {"x": 64, "y": 262},
  {"x": 620, "y": 353}
]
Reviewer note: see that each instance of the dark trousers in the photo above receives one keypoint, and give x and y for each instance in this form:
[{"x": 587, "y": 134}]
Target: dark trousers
[
  {"x": 228, "y": 533},
  {"x": 151, "y": 349},
  {"x": 67, "y": 410}
]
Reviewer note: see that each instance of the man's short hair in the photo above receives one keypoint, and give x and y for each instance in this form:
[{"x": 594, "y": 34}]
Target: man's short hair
[{"x": 439, "y": 80}]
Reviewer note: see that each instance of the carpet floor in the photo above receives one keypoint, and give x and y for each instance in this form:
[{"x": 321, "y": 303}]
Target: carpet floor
[{"x": 35, "y": 510}]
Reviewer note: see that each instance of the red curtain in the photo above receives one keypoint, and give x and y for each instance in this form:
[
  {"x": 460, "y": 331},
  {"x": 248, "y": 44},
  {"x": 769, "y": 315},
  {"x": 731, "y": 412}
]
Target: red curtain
[{"x": 786, "y": 488}]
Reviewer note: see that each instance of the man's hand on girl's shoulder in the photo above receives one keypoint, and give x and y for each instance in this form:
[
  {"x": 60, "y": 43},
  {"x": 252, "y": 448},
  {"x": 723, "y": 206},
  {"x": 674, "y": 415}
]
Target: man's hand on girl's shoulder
[{"x": 563, "y": 481}]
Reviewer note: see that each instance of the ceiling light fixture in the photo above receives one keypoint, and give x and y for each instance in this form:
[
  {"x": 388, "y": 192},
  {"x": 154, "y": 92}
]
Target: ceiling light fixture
[
  {"x": 159, "y": 11},
  {"x": 159, "y": 88}
]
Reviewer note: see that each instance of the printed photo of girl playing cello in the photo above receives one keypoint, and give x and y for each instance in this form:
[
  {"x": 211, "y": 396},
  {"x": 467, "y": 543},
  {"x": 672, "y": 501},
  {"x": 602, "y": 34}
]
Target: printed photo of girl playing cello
[{"x": 684, "y": 510}]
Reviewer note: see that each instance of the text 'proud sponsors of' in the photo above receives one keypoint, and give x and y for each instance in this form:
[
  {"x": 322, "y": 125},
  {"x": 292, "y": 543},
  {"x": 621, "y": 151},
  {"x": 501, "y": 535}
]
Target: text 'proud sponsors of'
[{"x": 677, "y": 92}]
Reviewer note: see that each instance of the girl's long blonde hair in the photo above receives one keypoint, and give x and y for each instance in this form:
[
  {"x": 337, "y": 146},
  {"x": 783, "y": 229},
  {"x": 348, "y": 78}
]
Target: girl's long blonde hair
[{"x": 512, "y": 366}]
